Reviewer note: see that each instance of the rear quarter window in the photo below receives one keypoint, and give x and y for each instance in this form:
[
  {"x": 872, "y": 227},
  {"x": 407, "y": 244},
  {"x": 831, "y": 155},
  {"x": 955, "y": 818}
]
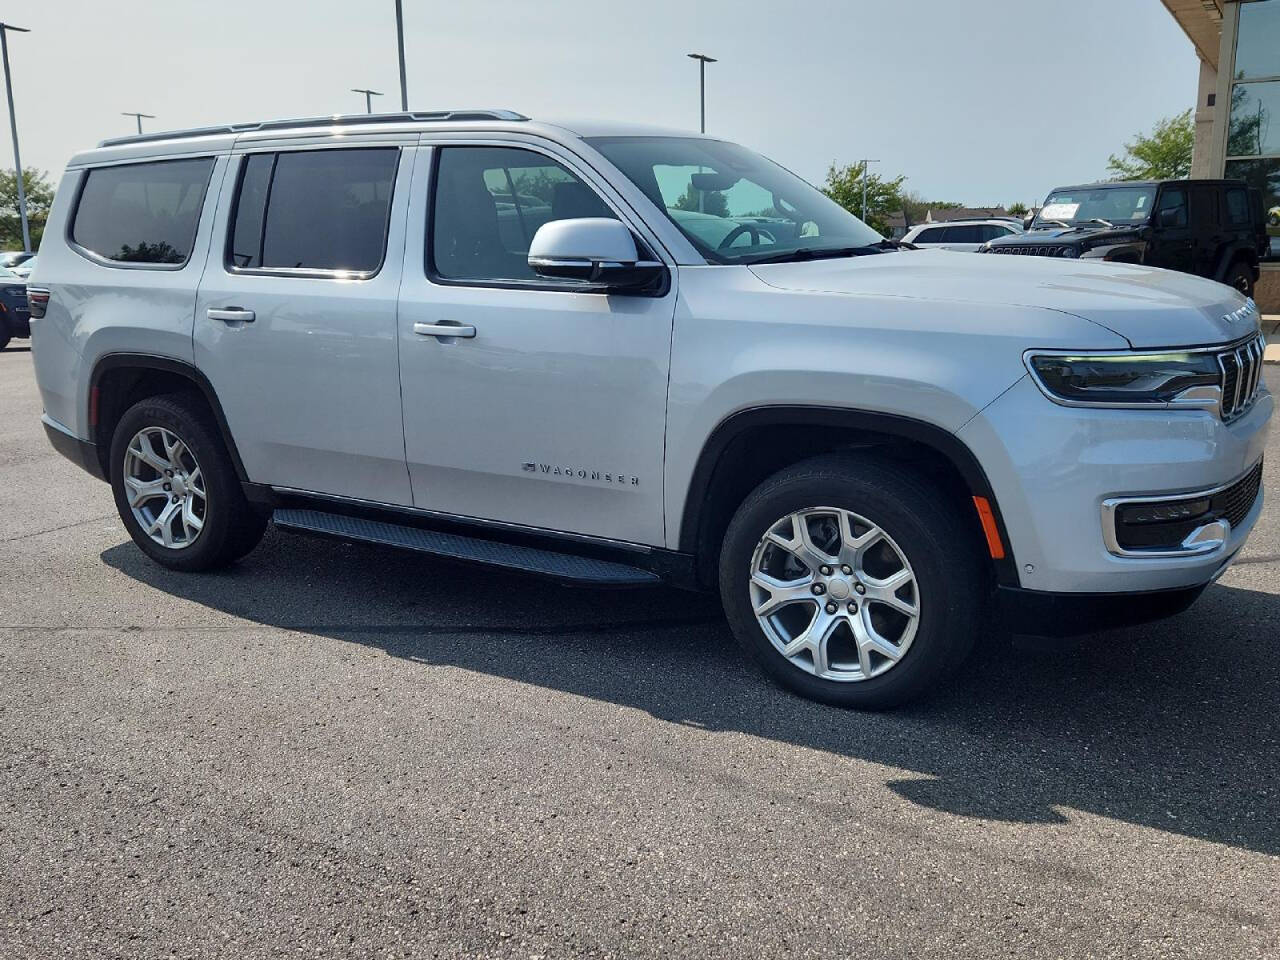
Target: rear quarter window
[{"x": 142, "y": 213}]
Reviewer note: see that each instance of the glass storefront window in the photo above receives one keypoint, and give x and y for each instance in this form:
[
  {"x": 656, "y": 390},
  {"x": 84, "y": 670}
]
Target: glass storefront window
[
  {"x": 1255, "y": 118},
  {"x": 1258, "y": 46},
  {"x": 1264, "y": 175}
]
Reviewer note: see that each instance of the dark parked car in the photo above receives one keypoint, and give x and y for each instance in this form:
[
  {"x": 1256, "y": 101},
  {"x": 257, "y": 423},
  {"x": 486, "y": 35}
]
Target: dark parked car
[
  {"x": 15, "y": 314},
  {"x": 1212, "y": 228}
]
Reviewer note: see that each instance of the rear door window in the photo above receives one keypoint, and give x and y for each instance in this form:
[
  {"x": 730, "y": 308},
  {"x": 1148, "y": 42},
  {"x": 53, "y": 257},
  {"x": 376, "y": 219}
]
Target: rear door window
[
  {"x": 314, "y": 210},
  {"x": 142, "y": 213},
  {"x": 1237, "y": 207}
]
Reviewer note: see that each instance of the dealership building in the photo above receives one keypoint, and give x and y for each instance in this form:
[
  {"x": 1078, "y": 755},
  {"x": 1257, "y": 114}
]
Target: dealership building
[{"x": 1238, "y": 105}]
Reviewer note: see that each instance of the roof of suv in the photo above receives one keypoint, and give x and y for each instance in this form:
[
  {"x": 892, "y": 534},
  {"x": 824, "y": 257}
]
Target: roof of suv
[
  {"x": 1121, "y": 184},
  {"x": 994, "y": 221},
  {"x": 212, "y": 137}
]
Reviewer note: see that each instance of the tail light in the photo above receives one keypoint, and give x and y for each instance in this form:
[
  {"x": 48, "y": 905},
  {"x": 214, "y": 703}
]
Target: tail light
[{"x": 38, "y": 301}]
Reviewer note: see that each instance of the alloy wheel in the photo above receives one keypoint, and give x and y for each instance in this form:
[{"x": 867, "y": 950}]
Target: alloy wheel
[
  {"x": 164, "y": 487},
  {"x": 834, "y": 594}
]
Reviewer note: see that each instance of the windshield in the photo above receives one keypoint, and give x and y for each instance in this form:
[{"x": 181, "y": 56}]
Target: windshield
[
  {"x": 733, "y": 205},
  {"x": 1082, "y": 207}
]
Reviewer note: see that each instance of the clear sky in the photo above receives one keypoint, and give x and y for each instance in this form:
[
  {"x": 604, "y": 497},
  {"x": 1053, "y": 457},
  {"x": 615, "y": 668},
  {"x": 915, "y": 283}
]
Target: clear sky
[{"x": 978, "y": 101}]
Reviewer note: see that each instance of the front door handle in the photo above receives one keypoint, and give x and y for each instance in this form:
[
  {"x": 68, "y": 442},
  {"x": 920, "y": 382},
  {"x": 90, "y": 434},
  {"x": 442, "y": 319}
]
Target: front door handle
[
  {"x": 444, "y": 329},
  {"x": 231, "y": 314}
]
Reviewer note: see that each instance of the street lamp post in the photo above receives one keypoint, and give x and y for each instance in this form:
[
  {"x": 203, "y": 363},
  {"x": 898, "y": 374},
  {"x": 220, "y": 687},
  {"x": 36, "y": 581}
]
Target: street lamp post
[
  {"x": 13, "y": 127},
  {"x": 703, "y": 60},
  {"x": 404, "y": 87},
  {"x": 865, "y": 164},
  {"x": 368, "y": 97},
  {"x": 138, "y": 117}
]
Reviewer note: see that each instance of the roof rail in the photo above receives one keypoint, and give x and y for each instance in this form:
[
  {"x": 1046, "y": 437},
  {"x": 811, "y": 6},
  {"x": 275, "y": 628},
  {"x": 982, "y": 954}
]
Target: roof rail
[{"x": 337, "y": 120}]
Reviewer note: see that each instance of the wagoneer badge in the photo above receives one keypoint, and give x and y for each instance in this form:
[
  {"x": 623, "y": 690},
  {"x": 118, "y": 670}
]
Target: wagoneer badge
[
  {"x": 579, "y": 473},
  {"x": 1241, "y": 315}
]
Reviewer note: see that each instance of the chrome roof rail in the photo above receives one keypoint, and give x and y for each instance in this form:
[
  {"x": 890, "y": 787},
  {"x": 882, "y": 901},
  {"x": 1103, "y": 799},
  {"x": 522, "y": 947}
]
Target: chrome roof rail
[{"x": 337, "y": 120}]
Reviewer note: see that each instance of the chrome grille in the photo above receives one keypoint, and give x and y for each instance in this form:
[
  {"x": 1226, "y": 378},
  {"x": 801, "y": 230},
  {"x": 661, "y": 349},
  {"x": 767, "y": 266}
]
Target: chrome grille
[
  {"x": 1032, "y": 250},
  {"x": 1241, "y": 376}
]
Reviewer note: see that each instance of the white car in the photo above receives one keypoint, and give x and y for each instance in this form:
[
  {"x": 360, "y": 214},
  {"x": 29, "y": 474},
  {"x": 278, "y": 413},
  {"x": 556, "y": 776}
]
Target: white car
[
  {"x": 619, "y": 356},
  {"x": 962, "y": 235}
]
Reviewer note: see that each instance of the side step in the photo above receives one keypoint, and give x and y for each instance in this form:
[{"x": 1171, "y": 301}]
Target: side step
[{"x": 562, "y": 566}]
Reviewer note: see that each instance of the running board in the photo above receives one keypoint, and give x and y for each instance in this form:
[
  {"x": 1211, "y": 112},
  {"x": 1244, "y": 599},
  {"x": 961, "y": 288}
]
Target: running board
[{"x": 562, "y": 566}]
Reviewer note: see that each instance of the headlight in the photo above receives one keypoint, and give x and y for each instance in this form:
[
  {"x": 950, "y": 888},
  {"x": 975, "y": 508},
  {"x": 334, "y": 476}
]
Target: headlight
[{"x": 1121, "y": 379}]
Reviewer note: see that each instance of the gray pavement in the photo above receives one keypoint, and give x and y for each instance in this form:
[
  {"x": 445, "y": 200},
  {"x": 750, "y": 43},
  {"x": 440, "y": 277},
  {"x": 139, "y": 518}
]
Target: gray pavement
[{"x": 340, "y": 751}]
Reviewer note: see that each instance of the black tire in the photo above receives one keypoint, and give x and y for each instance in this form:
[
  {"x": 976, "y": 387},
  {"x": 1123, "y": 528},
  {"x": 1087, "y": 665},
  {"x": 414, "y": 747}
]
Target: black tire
[
  {"x": 1240, "y": 276},
  {"x": 232, "y": 526},
  {"x": 5, "y": 336},
  {"x": 942, "y": 548}
]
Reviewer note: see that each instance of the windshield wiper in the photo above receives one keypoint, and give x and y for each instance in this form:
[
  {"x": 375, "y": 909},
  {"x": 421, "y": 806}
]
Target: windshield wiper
[
  {"x": 1105, "y": 223},
  {"x": 824, "y": 253}
]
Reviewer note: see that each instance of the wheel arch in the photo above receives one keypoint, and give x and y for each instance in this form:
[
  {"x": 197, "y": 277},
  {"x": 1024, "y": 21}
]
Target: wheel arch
[
  {"x": 121, "y": 379},
  {"x": 726, "y": 469},
  {"x": 1233, "y": 253}
]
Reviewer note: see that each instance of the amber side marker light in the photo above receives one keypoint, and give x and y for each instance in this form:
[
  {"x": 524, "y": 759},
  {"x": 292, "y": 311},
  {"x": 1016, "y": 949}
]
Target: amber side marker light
[{"x": 989, "y": 528}]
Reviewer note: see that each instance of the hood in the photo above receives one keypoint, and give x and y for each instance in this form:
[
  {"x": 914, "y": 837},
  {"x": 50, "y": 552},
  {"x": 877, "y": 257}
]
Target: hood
[
  {"x": 1150, "y": 308},
  {"x": 1068, "y": 234}
]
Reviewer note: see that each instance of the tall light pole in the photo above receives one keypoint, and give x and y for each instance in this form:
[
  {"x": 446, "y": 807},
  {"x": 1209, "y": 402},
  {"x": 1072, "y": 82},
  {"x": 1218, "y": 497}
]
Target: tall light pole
[
  {"x": 138, "y": 117},
  {"x": 703, "y": 60},
  {"x": 404, "y": 86},
  {"x": 368, "y": 97},
  {"x": 865, "y": 164},
  {"x": 13, "y": 127}
]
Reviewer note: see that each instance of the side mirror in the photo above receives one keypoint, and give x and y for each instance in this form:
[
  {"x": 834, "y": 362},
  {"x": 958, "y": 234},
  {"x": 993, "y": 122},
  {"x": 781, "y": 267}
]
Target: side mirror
[
  {"x": 1028, "y": 220},
  {"x": 594, "y": 250},
  {"x": 1170, "y": 217}
]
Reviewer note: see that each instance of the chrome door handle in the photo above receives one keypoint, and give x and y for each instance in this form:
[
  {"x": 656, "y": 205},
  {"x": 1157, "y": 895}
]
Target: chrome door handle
[
  {"x": 230, "y": 314},
  {"x": 444, "y": 329}
]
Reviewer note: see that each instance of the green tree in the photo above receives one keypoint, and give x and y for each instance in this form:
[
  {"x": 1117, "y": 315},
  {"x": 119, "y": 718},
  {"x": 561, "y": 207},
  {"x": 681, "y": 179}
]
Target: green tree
[
  {"x": 917, "y": 207},
  {"x": 39, "y": 199},
  {"x": 712, "y": 201},
  {"x": 1018, "y": 209},
  {"x": 884, "y": 194},
  {"x": 1162, "y": 154}
]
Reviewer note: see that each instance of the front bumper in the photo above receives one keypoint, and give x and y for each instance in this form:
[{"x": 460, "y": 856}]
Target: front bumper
[
  {"x": 17, "y": 322},
  {"x": 1053, "y": 469},
  {"x": 1039, "y": 614}
]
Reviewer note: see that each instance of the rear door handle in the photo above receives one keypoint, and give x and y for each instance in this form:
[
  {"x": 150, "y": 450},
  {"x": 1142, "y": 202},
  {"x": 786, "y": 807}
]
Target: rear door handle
[
  {"x": 231, "y": 314},
  {"x": 444, "y": 329}
]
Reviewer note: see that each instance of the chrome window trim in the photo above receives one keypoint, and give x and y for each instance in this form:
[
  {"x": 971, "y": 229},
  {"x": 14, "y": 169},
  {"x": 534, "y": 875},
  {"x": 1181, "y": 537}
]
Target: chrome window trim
[{"x": 1112, "y": 504}]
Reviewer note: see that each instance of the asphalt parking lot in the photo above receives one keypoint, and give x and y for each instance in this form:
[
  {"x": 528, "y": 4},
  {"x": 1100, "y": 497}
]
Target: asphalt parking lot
[{"x": 334, "y": 750}]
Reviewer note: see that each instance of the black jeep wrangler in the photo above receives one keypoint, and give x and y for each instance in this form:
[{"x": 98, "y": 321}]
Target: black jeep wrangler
[{"x": 1212, "y": 228}]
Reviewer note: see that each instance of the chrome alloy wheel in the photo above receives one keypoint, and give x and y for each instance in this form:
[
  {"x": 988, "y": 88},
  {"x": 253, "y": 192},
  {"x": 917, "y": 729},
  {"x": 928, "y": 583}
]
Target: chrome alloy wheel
[
  {"x": 834, "y": 594},
  {"x": 165, "y": 488}
]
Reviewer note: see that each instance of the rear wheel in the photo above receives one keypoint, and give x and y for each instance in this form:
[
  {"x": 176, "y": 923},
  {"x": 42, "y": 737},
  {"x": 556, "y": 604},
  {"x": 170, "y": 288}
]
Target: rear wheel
[
  {"x": 1240, "y": 276},
  {"x": 853, "y": 581},
  {"x": 4, "y": 333},
  {"x": 175, "y": 486}
]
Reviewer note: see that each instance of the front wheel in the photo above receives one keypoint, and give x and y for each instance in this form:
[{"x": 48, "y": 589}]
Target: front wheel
[
  {"x": 1240, "y": 276},
  {"x": 852, "y": 580},
  {"x": 175, "y": 486}
]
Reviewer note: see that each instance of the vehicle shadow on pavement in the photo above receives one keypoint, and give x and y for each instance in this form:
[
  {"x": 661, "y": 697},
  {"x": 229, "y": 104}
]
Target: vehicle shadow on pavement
[{"x": 1173, "y": 726}]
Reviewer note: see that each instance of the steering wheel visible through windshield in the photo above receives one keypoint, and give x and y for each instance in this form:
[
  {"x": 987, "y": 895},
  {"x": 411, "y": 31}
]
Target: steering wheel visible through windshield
[{"x": 733, "y": 205}]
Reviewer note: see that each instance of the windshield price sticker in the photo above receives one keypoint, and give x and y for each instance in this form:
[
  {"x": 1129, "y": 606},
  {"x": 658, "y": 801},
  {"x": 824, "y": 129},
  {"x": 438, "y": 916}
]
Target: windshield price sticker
[{"x": 1059, "y": 211}]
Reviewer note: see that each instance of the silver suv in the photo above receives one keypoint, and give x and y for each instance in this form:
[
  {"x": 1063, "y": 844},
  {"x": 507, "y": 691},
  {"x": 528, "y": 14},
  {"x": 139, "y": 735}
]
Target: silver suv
[{"x": 618, "y": 356}]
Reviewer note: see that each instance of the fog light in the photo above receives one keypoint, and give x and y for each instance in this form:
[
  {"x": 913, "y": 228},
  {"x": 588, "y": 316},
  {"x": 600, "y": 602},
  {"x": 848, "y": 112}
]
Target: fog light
[{"x": 1164, "y": 512}]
